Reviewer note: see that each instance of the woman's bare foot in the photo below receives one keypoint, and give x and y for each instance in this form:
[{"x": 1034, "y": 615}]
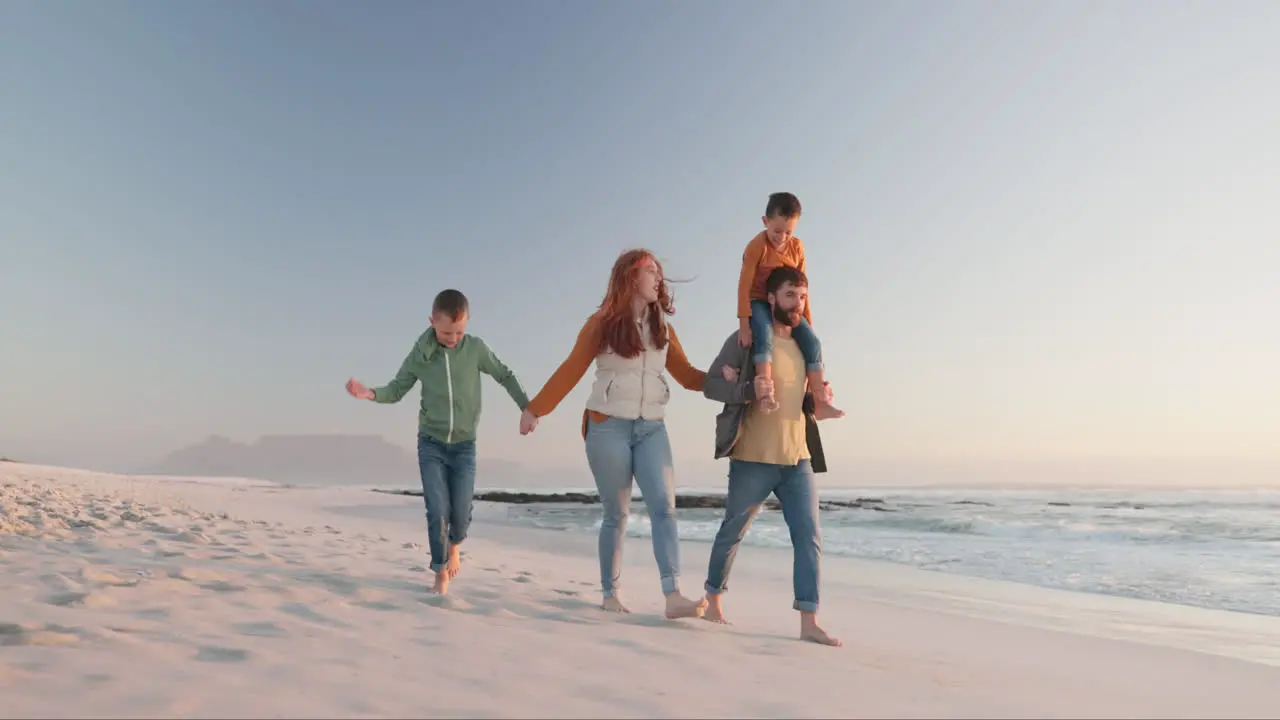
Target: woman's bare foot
[
  {"x": 715, "y": 610},
  {"x": 613, "y": 604},
  {"x": 810, "y": 632},
  {"x": 455, "y": 561},
  {"x": 442, "y": 583},
  {"x": 679, "y": 606},
  {"x": 826, "y": 411}
]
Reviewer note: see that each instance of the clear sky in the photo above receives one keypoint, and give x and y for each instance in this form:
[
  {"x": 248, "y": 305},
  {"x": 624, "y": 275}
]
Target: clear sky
[{"x": 1035, "y": 230}]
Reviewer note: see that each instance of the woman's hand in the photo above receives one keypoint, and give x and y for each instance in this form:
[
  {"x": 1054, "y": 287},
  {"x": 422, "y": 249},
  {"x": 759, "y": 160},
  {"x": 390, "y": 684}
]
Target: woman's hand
[{"x": 528, "y": 421}]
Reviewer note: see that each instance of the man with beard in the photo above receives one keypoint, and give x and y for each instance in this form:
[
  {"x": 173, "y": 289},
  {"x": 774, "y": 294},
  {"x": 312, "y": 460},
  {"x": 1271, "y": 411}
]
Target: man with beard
[{"x": 769, "y": 453}]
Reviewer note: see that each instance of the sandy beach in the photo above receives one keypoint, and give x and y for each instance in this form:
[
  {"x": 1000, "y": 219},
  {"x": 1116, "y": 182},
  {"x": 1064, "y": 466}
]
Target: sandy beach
[{"x": 165, "y": 597}]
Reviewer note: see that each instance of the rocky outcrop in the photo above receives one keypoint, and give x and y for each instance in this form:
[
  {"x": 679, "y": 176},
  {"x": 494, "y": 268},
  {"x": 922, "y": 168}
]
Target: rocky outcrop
[{"x": 682, "y": 501}]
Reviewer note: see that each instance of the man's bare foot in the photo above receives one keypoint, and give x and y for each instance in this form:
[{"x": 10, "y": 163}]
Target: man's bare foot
[
  {"x": 455, "y": 561},
  {"x": 825, "y": 411},
  {"x": 811, "y": 632},
  {"x": 715, "y": 610},
  {"x": 679, "y": 606},
  {"x": 613, "y": 604},
  {"x": 816, "y": 634},
  {"x": 442, "y": 583}
]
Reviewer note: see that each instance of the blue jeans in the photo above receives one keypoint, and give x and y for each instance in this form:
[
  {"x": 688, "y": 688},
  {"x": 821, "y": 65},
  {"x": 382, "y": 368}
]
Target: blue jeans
[
  {"x": 762, "y": 337},
  {"x": 750, "y": 484},
  {"x": 621, "y": 450},
  {"x": 448, "y": 484}
]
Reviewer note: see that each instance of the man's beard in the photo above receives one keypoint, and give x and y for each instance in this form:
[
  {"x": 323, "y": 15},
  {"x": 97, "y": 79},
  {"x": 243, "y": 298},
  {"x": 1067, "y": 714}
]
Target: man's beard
[{"x": 789, "y": 318}]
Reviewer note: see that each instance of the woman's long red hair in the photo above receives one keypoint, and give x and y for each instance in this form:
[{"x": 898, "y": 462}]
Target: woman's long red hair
[{"x": 619, "y": 331}]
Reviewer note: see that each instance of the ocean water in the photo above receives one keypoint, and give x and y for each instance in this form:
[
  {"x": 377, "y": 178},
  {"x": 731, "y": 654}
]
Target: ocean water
[{"x": 1212, "y": 549}]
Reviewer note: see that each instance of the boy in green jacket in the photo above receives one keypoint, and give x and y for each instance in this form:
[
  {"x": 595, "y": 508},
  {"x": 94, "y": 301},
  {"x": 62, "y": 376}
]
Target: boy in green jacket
[{"x": 448, "y": 362}]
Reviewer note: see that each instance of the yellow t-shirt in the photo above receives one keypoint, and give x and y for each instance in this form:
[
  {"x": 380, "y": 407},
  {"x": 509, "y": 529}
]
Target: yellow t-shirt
[{"x": 778, "y": 437}]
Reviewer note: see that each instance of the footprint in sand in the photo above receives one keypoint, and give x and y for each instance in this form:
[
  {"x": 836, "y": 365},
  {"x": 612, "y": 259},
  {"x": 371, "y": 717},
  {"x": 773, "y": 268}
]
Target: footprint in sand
[
  {"x": 74, "y": 598},
  {"x": 447, "y": 602},
  {"x": 13, "y": 634},
  {"x": 568, "y": 593},
  {"x": 214, "y": 653},
  {"x": 306, "y": 613},
  {"x": 265, "y": 629}
]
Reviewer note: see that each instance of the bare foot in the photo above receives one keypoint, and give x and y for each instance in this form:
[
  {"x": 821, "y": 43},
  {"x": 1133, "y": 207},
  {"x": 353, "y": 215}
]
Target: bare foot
[
  {"x": 679, "y": 606},
  {"x": 442, "y": 583},
  {"x": 613, "y": 604},
  {"x": 455, "y": 561},
  {"x": 715, "y": 610},
  {"x": 815, "y": 634},
  {"x": 824, "y": 411}
]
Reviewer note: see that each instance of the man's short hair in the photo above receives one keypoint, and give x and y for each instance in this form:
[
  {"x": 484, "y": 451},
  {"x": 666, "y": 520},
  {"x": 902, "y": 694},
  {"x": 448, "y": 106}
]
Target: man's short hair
[
  {"x": 452, "y": 303},
  {"x": 782, "y": 204},
  {"x": 782, "y": 275}
]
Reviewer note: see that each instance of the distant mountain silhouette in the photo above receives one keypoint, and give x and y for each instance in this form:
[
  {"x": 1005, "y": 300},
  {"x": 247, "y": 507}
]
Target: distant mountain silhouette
[{"x": 334, "y": 460}]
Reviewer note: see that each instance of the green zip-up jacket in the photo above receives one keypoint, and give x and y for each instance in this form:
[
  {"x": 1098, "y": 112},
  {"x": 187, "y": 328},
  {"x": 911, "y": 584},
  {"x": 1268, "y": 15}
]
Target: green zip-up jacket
[{"x": 450, "y": 380}]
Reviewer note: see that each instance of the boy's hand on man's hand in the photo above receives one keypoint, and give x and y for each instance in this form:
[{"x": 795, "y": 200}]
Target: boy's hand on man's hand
[{"x": 730, "y": 374}]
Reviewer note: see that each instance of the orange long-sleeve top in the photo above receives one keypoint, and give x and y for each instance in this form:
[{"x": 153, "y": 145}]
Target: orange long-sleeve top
[
  {"x": 584, "y": 352},
  {"x": 758, "y": 260}
]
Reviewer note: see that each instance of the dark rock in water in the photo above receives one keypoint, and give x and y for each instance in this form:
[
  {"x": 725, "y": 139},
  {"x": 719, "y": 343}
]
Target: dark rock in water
[
  {"x": 972, "y": 502},
  {"x": 1054, "y": 503},
  {"x": 9, "y": 460},
  {"x": 683, "y": 502}
]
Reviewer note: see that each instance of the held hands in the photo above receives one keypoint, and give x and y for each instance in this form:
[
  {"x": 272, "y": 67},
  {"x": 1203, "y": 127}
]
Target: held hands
[
  {"x": 528, "y": 421},
  {"x": 744, "y": 333},
  {"x": 358, "y": 390}
]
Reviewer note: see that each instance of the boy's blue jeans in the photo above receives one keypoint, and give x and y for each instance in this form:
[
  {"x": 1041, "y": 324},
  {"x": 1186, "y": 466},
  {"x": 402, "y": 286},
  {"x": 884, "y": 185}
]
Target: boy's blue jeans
[
  {"x": 762, "y": 337},
  {"x": 750, "y": 484},
  {"x": 620, "y": 451},
  {"x": 448, "y": 484}
]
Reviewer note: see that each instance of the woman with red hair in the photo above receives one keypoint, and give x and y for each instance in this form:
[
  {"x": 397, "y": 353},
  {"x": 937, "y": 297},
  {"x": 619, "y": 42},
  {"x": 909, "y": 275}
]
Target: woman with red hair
[{"x": 632, "y": 344}]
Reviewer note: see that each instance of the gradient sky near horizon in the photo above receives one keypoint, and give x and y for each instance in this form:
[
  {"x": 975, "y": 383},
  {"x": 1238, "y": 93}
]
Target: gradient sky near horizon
[{"x": 1035, "y": 230}]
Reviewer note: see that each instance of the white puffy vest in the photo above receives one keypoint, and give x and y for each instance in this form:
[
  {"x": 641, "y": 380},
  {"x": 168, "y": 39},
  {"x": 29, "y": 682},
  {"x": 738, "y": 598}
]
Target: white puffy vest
[{"x": 631, "y": 388}]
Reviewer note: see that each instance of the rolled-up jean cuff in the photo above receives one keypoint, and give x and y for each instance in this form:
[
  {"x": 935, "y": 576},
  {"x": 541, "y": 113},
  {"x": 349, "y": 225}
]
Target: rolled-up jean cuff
[
  {"x": 815, "y": 367},
  {"x": 762, "y": 358},
  {"x": 809, "y": 607},
  {"x": 713, "y": 590},
  {"x": 436, "y": 568},
  {"x": 670, "y": 584}
]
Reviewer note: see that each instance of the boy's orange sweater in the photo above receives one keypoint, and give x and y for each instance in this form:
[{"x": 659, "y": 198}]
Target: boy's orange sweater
[{"x": 758, "y": 260}]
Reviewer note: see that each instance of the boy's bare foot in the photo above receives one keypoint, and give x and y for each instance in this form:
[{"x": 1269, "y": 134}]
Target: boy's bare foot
[
  {"x": 826, "y": 411},
  {"x": 679, "y": 606},
  {"x": 810, "y": 632},
  {"x": 455, "y": 561},
  {"x": 715, "y": 610},
  {"x": 442, "y": 583},
  {"x": 613, "y": 604}
]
